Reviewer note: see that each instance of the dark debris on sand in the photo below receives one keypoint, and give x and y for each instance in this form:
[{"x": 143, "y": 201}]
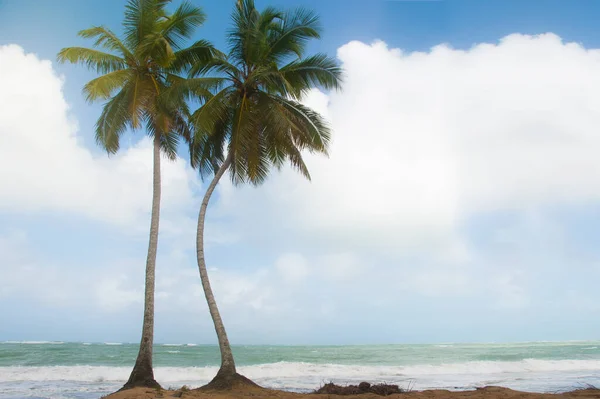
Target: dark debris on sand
[{"x": 363, "y": 387}]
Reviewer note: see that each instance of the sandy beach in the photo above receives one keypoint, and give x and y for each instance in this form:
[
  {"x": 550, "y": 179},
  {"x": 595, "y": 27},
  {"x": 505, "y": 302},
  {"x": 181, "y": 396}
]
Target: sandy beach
[{"x": 251, "y": 392}]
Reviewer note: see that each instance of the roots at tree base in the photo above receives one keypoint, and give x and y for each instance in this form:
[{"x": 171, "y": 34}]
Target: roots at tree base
[
  {"x": 221, "y": 382},
  {"x": 226, "y": 381},
  {"x": 141, "y": 379}
]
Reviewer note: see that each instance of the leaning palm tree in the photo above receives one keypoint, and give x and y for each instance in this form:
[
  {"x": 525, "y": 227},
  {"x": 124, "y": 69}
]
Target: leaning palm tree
[
  {"x": 136, "y": 70},
  {"x": 256, "y": 117}
]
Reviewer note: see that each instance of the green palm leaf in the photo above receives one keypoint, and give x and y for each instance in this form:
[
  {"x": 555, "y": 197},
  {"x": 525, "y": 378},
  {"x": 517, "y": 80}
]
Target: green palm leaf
[
  {"x": 107, "y": 39},
  {"x": 297, "y": 28},
  {"x": 96, "y": 60},
  {"x": 142, "y": 18},
  {"x": 114, "y": 120},
  {"x": 104, "y": 86},
  {"x": 198, "y": 53},
  {"x": 314, "y": 71},
  {"x": 181, "y": 24}
]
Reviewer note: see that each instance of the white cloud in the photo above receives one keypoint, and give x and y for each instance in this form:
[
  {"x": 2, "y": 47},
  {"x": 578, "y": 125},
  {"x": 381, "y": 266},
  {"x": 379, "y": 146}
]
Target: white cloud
[
  {"x": 441, "y": 283},
  {"x": 292, "y": 267},
  {"x": 112, "y": 293},
  {"x": 25, "y": 277},
  {"x": 45, "y": 167},
  {"x": 17, "y": 267},
  {"x": 30, "y": 276},
  {"x": 510, "y": 293},
  {"x": 424, "y": 141},
  {"x": 340, "y": 266}
]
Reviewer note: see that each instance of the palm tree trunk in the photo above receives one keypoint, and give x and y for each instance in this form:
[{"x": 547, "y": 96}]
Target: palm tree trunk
[
  {"x": 227, "y": 370},
  {"x": 142, "y": 374}
]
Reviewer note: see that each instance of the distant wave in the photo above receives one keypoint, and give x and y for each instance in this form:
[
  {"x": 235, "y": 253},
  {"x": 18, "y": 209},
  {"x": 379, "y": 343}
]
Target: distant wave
[
  {"x": 34, "y": 342},
  {"x": 171, "y": 344},
  {"x": 173, "y": 351},
  {"x": 113, "y": 343}
]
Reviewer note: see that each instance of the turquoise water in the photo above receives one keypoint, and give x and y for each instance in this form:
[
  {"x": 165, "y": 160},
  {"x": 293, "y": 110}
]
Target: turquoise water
[{"x": 89, "y": 370}]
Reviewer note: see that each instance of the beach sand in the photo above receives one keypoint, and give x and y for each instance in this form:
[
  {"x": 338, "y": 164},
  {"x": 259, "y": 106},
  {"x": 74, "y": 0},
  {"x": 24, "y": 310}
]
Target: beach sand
[{"x": 252, "y": 392}]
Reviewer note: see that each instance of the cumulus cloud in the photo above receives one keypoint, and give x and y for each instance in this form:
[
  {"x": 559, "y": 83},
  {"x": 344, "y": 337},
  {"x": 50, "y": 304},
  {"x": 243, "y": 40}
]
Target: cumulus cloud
[
  {"x": 45, "y": 167},
  {"x": 292, "y": 267},
  {"x": 30, "y": 276},
  {"x": 113, "y": 294},
  {"x": 424, "y": 141},
  {"x": 433, "y": 203}
]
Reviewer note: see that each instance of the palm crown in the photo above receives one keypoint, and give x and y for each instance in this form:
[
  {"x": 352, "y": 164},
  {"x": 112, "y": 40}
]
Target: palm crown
[
  {"x": 257, "y": 113},
  {"x": 137, "y": 69}
]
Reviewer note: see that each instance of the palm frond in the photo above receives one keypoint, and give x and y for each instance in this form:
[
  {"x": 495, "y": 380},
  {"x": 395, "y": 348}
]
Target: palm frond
[
  {"x": 317, "y": 70},
  {"x": 180, "y": 124},
  {"x": 216, "y": 108},
  {"x": 297, "y": 162},
  {"x": 242, "y": 37},
  {"x": 307, "y": 127},
  {"x": 252, "y": 149},
  {"x": 218, "y": 65},
  {"x": 96, "y": 60},
  {"x": 170, "y": 121},
  {"x": 241, "y": 135},
  {"x": 180, "y": 25},
  {"x": 270, "y": 18},
  {"x": 156, "y": 48},
  {"x": 181, "y": 89},
  {"x": 297, "y": 28},
  {"x": 206, "y": 149},
  {"x": 107, "y": 39},
  {"x": 104, "y": 86},
  {"x": 169, "y": 143},
  {"x": 201, "y": 52},
  {"x": 114, "y": 120},
  {"x": 144, "y": 90},
  {"x": 141, "y": 19},
  {"x": 280, "y": 131}
]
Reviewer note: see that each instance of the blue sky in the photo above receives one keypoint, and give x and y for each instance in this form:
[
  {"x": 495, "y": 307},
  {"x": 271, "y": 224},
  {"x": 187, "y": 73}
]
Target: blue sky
[{"x": 461, "y": 201}]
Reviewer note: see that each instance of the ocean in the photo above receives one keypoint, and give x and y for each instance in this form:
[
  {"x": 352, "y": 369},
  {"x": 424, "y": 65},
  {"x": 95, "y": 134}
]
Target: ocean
[{"x": 89, "y": 370}]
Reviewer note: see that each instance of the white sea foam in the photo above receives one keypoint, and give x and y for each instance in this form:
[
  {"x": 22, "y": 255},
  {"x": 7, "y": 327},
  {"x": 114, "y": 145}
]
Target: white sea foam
[
  {"x": 528, "y": 374},
  {"x": 173, "y": 351},
  {"x": 113, "y": 343},
  {"x": 171, "y": 344}
]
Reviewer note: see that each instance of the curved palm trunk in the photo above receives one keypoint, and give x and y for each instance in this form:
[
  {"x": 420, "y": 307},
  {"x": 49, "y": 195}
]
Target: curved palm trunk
[
  {"x": 227, "y": 370},
  {"x": 142, "y": 374}
]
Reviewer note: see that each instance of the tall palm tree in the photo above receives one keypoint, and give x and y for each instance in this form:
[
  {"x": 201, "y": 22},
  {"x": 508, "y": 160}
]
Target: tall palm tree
[
  {"x": 256, "y": 116},
  {"x": 135, "y": 71}
]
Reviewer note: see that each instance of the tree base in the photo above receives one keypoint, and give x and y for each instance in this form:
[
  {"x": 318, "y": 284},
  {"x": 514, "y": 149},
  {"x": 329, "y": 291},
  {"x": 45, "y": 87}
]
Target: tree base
[
  {"x": 226, "y": 382},
  {"x": 137, "y": 380}
]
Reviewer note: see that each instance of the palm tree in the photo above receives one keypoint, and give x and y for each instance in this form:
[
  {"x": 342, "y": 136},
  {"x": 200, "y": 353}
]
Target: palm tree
[
  {"x": 135, "y": 71},
  {"x": 256, "y": 115}
]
